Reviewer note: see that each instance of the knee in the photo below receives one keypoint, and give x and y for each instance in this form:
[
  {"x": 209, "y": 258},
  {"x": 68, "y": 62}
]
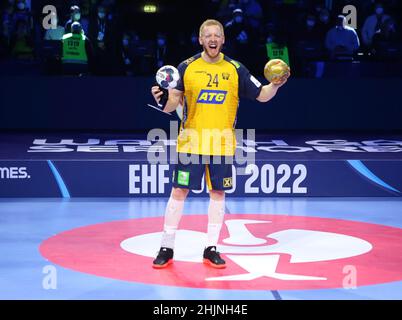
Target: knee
[
  {"x": 179, "y": 193},
  {"x": 217, "y": 195}
]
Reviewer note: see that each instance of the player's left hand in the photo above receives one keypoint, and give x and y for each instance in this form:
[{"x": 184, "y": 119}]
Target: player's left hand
[{"x": 279, "y": 83}]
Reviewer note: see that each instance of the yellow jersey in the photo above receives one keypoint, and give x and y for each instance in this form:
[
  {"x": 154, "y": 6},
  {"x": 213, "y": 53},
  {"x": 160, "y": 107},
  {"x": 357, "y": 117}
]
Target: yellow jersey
[{"x": 211, "y": 96}]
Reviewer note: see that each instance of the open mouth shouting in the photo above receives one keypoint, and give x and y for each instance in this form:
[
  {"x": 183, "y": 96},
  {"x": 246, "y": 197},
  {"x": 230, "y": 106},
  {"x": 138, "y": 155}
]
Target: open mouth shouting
[{"x": 213, "y": 49}]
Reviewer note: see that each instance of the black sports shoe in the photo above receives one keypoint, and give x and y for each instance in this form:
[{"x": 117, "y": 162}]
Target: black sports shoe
[
  {"x": 213, "y": 259},
  {"x": 164, "y": 258}
]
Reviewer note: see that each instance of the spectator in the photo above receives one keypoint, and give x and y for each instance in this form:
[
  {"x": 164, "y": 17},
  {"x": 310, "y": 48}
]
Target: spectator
[
  {"x": 161, "y": 50},
  {"x": 310, "y": 30},
  {"x": 307, "y": 40},
  {"x": 22, "y": 12},
  {"x": 56, "y": 32},
  {"x": 75, "y": 16},
  {"x": 76, "y": 51},
  {"x": 128, "y": 61},
  {"x": 98, "y": 27},
  {"x": 137, "y": 56},
  {"x": 226, "y": 10},
  {"x": 253, "y": 12},
  {"x": 306, "y": 45},
  {"x": 22, "y": 42},
  {"x": 324, "y": 23},
  {"x": 389, "y": 33},
  {"x": 388, "y": 43},
  {"x": 101, "y": 31},
  {"x": 374, "y": 24},
  {"x": 318, "y": 7},
  {"x": 7, "y": 24},
  {"x": 342, "y": 40},
  {"x": 238, "y": 35}
]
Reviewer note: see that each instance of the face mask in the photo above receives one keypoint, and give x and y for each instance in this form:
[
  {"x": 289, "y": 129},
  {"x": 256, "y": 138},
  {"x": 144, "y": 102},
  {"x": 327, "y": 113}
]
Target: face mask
[
  {"x": 21, "y": 6},
  {"x": 125, "y": 42},
  {"x": 311, "y": 23},
  {"x": 77, "y": 16},
  {"x": 238, "y": 19},
  {"x": 324, "y": 18},
  {"x": 161, "y": 42},
  {"x": 379, "y": 11},
  {"x": 101, "y": 15}
]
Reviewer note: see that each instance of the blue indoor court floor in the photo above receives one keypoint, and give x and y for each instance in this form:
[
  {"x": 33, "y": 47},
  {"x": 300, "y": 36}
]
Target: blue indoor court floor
[{"x": 93, "y": 248}]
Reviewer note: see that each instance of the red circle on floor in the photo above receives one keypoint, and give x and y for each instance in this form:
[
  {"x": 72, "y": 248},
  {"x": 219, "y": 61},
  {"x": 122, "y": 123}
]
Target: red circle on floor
[{"x": 299, "y": 253}]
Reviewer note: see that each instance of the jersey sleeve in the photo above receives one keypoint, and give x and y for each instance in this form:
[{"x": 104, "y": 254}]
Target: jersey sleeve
[
  {"x": 249, "y": 86},
  {"x": 180, "y": 84}
]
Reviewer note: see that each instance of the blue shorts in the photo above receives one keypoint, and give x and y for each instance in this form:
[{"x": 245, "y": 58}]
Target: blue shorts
[{"x": 217, "y": 169}]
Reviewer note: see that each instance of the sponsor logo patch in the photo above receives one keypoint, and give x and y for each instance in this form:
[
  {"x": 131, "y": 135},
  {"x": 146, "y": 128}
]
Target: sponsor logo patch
[
  {"x": 227, "y": 182},
  {"x": 183, "y": 178},
  {"x": 212, "y": 96}
]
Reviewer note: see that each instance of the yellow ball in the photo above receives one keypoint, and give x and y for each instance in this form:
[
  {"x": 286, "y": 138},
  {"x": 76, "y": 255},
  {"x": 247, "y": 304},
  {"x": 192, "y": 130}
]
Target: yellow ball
[{"x": 276, "y": 71}]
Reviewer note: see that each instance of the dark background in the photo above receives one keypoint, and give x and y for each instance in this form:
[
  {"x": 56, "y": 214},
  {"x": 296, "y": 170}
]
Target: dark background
[
  {"x": 361, "y": 94},
  {"x": 121, "y": 104}
]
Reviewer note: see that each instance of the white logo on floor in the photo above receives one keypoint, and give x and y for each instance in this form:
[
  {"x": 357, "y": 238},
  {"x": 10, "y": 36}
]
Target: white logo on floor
[{"x": 252, "y": 254}]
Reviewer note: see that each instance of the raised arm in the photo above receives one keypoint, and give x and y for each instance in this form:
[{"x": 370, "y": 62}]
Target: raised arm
[{"x": 269, "y": 91}]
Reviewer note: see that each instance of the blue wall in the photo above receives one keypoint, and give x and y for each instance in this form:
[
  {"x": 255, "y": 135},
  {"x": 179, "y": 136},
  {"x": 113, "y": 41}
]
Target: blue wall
[{"x": 120, "y": 104}]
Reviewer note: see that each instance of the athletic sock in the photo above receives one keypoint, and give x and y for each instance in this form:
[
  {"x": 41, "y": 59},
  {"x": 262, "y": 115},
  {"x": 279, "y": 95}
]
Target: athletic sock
[
  {"x": 216, "y": 212},
  {"x": 173, "y": 213}
]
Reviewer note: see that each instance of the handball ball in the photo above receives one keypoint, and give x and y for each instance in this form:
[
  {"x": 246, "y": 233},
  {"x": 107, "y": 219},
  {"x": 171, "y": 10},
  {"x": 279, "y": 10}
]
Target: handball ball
[
  {"x": 276, "y": 71},
  {"x": 167, "y": 77}
]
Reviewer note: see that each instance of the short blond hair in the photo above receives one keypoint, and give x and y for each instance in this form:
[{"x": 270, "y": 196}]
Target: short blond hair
[{"x": 211, "y": 22}]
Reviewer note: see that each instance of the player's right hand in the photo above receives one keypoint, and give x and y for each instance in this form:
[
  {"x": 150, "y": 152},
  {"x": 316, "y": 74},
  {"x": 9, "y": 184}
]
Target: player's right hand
[
  {"x": 161, "y": 96},
  {"x": 156, "y": 93}
]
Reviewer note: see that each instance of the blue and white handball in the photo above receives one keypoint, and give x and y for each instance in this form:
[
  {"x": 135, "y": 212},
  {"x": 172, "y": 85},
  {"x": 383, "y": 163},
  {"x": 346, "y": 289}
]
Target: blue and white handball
[{"x": 167, "y": 77}]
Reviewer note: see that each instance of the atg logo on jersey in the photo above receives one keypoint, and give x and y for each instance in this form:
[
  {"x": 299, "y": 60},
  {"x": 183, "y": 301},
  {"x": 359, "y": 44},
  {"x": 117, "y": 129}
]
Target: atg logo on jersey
[{"x": 212, "y": 96}]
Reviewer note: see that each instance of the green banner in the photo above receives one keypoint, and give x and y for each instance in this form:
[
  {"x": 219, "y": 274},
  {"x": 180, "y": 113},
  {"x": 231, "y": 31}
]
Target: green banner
[{"x": 274, "y": 51}]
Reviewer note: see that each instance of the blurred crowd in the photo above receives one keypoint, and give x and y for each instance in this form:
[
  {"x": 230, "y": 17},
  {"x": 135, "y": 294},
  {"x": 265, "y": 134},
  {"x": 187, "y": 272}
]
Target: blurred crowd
[{"x": 112, "y": 37}]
